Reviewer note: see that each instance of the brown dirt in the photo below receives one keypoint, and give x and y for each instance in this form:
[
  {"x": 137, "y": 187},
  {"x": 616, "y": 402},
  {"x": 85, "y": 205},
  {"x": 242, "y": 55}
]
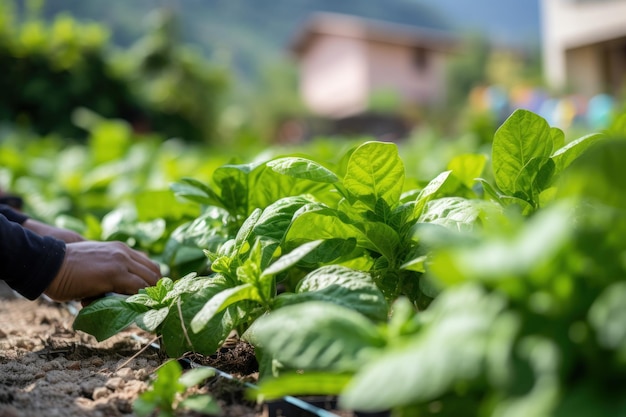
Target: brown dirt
[{"x": 48, "y": 369}]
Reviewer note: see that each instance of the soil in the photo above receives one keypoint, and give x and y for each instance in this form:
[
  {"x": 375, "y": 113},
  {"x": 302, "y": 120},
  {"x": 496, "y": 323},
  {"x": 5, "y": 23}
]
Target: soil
[{"x": 48, "y": 369}]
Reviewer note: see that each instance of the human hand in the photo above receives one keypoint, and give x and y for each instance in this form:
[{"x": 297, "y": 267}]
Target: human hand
[
  {"x": 42, "y": 229},
  {"x": 91, "y": 269}
]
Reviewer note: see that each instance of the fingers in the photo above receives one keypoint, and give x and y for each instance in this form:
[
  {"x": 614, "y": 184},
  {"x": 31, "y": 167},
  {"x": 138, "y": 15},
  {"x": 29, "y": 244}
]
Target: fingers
[
  {"x": 130, "y": 284},
  {"x": 144, "y": 272},
  {"x": 144, "y": 267}
]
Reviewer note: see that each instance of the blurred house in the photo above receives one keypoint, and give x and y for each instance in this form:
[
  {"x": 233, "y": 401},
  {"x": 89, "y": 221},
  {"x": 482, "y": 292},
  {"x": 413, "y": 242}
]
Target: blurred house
[
  {"x": 350, "y": 65},
  {"x": 584, "y": 45}
]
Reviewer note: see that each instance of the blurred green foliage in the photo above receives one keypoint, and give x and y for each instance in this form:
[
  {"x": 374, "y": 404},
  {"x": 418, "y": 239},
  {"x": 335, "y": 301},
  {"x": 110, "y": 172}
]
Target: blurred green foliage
[{"x": 50, "y": 69}]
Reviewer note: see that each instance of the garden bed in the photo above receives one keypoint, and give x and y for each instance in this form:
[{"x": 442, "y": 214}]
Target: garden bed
[{"x": 46, "y": 368}]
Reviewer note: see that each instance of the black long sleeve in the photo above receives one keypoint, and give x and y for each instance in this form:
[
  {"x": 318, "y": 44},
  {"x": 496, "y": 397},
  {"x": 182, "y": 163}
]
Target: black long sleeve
[
  {"x": 12, "y": 215},
  {"x": 28, "y": 262}
]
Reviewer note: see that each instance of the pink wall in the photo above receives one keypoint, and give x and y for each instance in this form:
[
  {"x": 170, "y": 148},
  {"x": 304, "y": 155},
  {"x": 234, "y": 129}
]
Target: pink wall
[
  {"x": 396, "y": 67},
  {"x": 333, "y": 76},
  {"x": 339, "y": 73}
]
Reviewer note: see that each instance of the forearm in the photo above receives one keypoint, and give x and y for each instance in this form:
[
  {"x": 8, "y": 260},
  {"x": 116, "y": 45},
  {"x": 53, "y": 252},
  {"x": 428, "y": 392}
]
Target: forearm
[{"x": 28, "y": 262}]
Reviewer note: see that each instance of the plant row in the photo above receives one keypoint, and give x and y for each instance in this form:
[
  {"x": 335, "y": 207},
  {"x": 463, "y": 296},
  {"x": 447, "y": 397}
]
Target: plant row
[{"x": 494, "y": 289}]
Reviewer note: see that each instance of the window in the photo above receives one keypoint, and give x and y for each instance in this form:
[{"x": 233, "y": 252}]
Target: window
[{"x": 421, "y": 59}]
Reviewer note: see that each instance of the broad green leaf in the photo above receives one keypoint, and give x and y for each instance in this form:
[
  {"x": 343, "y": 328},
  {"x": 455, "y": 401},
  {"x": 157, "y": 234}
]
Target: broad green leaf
[
  {"x": 543, "y": 177},
  {"x": 522, "y": 137},
  {"x": 271, "y": 186},
  {"x": 143, "y": 299},
  {"x": 222, "y": 300},
  {"x": 607, "y": 316},
  {"x": 429, "y": 192},
  {"x": 534, "y": 178},
  {"x": 161, "y": 395},
  {"x": 450, "y": 349},
  {"x": 467, "y": 167},
  {"x": 276, "y": 218},
  {"x": 330, "y": 250},
  {"x": 502, "y": 258},
  {"x": 201, "y": 403},
  {"x": 343, "y": 286},
  {"x": 308, "y": 383},
  {"x": 244, "y": 232},
  {"x": 565, "y": 155},
  {"x": 177, "y": 336},
  {"x": 319, "y": 222},
  {"x": 375, "y": 171},
  {"x": 191, "y": 284},
  {"x": 302, "y": 168},
  {"x": 160, "y": 290},
  {"x": 287, "y": 261},
  {"x": 415, "y": 264},
  {"x": 490, "y": 190},
  {"x": 107, "y": 316},
  {"x": 208, "y": 231},
  {"x": 316, "y": 335},
  {"x": 151, "y": 319},
  {"x": 196, "y": 375},
  {"x": 155, "y": 204},
  {"x": 558, "y": 137},
  {"x": 235, "y": 183},
  {"x": 453, "y": 212},
  {"x": 194, "y": 190},
  {"x": 598, "y": 175},
  {"x": 380, "y": 238}
]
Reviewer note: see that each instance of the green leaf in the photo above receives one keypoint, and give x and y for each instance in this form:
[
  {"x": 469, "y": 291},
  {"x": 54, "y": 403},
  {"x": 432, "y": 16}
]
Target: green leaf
[
  {"x": 162, "y": 394},
  {"x": 308, "y": 383},
  {"x": 194, "y": 190},
  {"x": 177, "y": 336},
  {"x": 429, "y": 192},
  {"x": 558, "y": 137},
  {"x": 315, "y": 222},
  {"x": 221, "y": 301},
  {"x": 380, "y": 238},
  {"x": 235, "y": 183},
  {"x": 243, "y": 234},
  {"x": 302, "y": 168},
  {"x": 316, "y": 335},
  {"x": 565, "y": 155},
  {"x": 151, "y": 319},
  {"x": 292, "y": 258},
  {"x": 160, "y": 290},
  {"x": 343, "y": 286},
  {"x": 598, "y": 175},
  {"x": 276, "y": 218},
  {"x": 107, "y": 316},
  {"x": 467, "y": 167},
  {"x": 523, "y": 137},
  {"x": 502, "y": 258},
  {"x": 196, "y": 375},
  {"x": 201, "y": 403},
  {"x": 451, "y": 349},
  {"x": 452, "y": 212},
  {"x": 607, "y": 316},
  {"x": 375, "y": 171},
  {"x": 192, "y": 284},
  {"x": 330, "y": 250}
]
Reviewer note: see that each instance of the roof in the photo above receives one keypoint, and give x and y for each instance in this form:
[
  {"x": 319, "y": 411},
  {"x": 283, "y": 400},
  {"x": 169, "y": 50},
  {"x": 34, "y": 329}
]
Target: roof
[{"x": 349, "y": 26}]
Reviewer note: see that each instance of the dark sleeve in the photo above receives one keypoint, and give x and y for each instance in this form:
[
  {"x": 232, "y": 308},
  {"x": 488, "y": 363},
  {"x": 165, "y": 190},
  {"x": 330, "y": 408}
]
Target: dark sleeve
[
  {"x": 28, "y": 262},
  {"x": 12, "y": 215}
]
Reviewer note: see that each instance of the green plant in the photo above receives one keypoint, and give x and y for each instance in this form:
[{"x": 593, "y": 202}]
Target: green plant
[{"x": 167, "y": 393}]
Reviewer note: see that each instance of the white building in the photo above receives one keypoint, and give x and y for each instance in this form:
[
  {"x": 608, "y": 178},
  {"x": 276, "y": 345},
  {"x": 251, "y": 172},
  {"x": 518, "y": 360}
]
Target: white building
[{"x": 584, "y": 45}]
